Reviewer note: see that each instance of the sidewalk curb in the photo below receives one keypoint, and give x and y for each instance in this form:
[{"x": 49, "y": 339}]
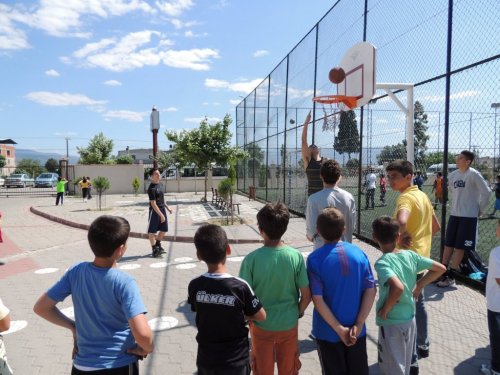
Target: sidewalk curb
[{"x": 185, "y": 239}]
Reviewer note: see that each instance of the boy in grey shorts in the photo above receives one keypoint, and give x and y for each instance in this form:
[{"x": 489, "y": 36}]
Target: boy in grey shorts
[{"x": 397, "y": 274}]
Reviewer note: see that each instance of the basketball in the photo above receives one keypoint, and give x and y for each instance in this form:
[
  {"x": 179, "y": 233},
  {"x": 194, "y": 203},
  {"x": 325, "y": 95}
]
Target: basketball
[{"x": 336, "y": 75}]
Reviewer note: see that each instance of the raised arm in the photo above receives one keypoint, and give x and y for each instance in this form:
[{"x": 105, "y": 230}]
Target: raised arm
[
  {"x": 306, "y": 154},
  {"x": 485, "y": 193},
  {"x": 434, "y": 272}
]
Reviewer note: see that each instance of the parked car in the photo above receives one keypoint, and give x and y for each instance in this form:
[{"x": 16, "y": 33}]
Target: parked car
[
  {"x": 19, "y": 180},
  {"x": 2, "y": 181},
  {"x": 46, "y": 180}
]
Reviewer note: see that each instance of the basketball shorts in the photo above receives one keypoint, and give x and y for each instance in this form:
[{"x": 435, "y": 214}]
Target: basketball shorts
[
  {"x": 461, "y": 233},
  {"x": 154, "y": 222}
]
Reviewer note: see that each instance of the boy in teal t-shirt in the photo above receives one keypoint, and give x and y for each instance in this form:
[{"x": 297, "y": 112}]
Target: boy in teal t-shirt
[
  {"x": 277, "y": 273},
  {"x": 397, "y": 275}
]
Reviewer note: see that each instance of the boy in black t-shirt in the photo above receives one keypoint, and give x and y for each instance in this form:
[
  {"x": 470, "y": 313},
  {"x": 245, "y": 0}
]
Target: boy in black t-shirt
[
  {"x": 222, "y": 303},
  {"x": 157, "y": 218}
]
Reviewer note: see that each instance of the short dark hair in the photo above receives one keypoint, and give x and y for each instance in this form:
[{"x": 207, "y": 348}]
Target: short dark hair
[
  {"x": 469, "y": 155},
  {"x": 106, "y": 234},
  {"x": 273, "y": 219},
  {"x": 59, "y": 178},
  {"x": 402, "y": 166},
  {"x": 330, "y": 171},
  {"x": 439, "y": 174},
  {"x": 330, "y": 224},
  {"x": 211, "y": 243},
  {"x": 153, "y": 171},
  {"x": 385, "y": 229}
]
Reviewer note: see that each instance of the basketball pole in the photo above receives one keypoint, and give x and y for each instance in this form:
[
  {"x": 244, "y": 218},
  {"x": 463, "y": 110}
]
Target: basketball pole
[{"x": 408, "y": 111}]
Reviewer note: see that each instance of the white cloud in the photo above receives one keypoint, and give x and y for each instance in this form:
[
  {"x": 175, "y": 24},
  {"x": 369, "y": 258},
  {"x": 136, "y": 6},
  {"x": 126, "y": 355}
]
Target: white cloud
[
  {"x": 11, "y": 38},
  {"x": 131, "y": 116},
  {"x": 191, "y": 34},
  {"x": 171, "y": 109},
  {"x": 112, "y": 82},
  {"x": 179, "y": 24},
  {"x": 62, "y": 99},
  {"x": 197, "y": 120},
  {"x": 260, "y": 53},
  {"x": 139, "y": 49},
  {"x": 195, "y": 59},
  {"x": 455, "y": 96},
  {"x": 174, "y": 8},
  {"x": 243, "y": 86},
  {"x": 235, "y": 101},
  {"x": 52, "y": 73}
]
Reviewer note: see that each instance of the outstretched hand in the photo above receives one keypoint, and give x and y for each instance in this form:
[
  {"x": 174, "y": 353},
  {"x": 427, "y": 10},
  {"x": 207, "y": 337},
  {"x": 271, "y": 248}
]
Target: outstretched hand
[{"x": 405, "y": 240}]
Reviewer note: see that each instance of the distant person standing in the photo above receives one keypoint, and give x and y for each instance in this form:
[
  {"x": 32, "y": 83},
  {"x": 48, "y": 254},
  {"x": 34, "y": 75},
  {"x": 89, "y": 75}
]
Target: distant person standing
[
  {"x": 371, "y": 185},
  {"x": 418, "y": 180},
  {"x": 470, "y": 196},
  {"x": 312, "y": 161},
  {"x": 89, "y": 192},
  {"x": 84, "y": 184},
  {"x": 383, "y": 188},
  {"x": 437, "y": 188},
  {"x": 158, "y": 208},
  {"x": 60, "y": 188}
]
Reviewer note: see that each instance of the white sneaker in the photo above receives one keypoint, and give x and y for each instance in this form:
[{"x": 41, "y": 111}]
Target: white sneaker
[
  {"x": 485, "y": 370},
  {"x": 446, "y": 282}
]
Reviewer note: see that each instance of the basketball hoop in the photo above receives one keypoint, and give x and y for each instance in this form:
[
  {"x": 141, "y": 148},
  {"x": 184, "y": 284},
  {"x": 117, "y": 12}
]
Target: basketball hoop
[{"x": 333, "y": 106}]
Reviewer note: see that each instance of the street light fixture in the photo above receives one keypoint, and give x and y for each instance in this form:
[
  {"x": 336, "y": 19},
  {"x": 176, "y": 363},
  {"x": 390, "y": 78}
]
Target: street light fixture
[
  {"x": 155, "y": 126},
  {"x": 195, "y": 189},
  {"x": 495, "y": 106}
]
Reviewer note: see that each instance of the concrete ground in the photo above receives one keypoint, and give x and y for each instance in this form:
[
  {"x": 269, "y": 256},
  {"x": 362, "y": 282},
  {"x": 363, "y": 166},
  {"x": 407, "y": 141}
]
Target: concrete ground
[{"x": 38, "y": 251}]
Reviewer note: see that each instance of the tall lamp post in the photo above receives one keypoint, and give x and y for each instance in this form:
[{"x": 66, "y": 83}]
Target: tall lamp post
[
  {"x": 495, "y": 106},
  {"x": 155, "y": 126}
]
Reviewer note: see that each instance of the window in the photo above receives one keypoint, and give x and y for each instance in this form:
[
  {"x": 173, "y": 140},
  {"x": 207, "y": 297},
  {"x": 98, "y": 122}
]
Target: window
[{"x": 8, "y": 152}]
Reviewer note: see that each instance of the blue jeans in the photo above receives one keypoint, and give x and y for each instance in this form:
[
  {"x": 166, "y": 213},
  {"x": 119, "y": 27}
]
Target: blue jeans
[
  {"x": 494, "y": 328},
  {"x": 421, "y": 337}
]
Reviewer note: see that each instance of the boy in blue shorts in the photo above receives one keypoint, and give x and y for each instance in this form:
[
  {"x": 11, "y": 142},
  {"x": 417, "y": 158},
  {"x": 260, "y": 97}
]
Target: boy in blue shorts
[
  {"x": 343, "y": 292},
  {"x": 397, "y": 275},
  {"x": 110, "y": 331},
  {"x": 222, "y": 303},
  {"x": 278, "y": 275},
  {"x": 157, "y": 219}
]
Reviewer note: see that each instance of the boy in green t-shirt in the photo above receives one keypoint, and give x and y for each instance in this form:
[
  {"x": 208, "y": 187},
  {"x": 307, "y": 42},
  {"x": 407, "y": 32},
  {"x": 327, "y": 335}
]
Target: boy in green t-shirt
[
  {"x": 60, "y": 187},
  {"x": 397, "y": 274},
  {"x": 277, "y": 273}
]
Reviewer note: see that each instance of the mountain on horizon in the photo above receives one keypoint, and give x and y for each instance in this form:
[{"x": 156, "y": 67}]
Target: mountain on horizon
[{"x": 42, "y": 157}]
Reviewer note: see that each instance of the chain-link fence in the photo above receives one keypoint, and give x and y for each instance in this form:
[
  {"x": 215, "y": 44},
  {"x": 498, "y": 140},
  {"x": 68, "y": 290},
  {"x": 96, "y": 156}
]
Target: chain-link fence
[{"x": 448, "y": 49}]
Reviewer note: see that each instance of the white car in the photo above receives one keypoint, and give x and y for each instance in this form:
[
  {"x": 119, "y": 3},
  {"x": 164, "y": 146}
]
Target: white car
[
  {"x": 19, "y": 180},
  {"x": 2, "y": 181}
]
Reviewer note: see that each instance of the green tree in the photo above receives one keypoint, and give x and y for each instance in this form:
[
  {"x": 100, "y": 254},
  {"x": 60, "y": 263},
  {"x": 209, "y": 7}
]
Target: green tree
[
  {"x": 124, "y": 159},
  {"x": 391, "y": 153},
  {"x": 352, "y": 166},
  {"x": 255, "y": 159},
  {"x": 136, "y": 184},
  {"x": 29, "y": 166},
  {"x": 3, "y": 161},
  {"x": 420, "y": 131},
  {"x": 100, "y": 184},
  {"x": 347, "y": 139},
  {"x": 52, "y": 165},
  {"x": 97, "y": 152},
  {"x": 437, "y": 158},
  {"x": 205, "y": 145},
  {"x": 169, "y": 158}
]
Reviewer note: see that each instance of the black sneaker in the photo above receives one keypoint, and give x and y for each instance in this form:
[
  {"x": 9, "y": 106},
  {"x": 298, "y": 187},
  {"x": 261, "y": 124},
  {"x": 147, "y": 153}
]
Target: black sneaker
[
  {"x": 414, "y": 370},
  {"x": 422, "y": 351},
  {"x": 162, "y": 250},
  {"x": 156, "y": 252}
]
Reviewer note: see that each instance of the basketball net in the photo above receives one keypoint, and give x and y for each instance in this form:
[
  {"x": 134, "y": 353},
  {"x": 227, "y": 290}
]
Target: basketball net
[{"x": 331, "y": 115}]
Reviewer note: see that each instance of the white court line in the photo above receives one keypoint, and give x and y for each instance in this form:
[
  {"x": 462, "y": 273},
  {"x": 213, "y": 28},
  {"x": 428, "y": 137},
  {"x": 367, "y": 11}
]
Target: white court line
[
  {"x": 163, "y": 323},
  {"x": 43, "y": 271}
]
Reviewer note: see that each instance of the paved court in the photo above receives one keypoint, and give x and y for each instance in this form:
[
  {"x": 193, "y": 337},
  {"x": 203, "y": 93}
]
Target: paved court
[{"x": 38, "y": 251}]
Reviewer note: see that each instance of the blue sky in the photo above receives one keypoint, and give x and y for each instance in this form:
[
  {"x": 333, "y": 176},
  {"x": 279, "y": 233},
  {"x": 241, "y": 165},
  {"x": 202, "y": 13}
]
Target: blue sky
[{"x": 72, "y": 68}]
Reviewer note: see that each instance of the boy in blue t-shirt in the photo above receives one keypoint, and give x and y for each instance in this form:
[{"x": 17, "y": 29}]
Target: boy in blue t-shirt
[
  {"x": 397, "y": 275},
  {"x": 343, "y": 291},
  {"x": 110, "y": 330}
]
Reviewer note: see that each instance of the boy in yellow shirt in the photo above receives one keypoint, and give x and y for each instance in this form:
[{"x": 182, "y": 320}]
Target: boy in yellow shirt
[{"x": 418, "y": 223}]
